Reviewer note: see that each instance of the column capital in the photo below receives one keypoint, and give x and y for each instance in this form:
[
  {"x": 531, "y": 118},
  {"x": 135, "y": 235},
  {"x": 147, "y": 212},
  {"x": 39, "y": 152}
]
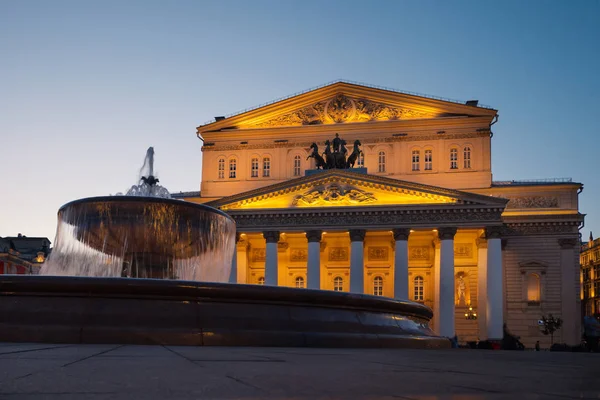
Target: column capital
[
  {"x": 401, "y": 233},
  {"x": 314, "y": 236},
  {"x": 481, "y": 242},
  {"x": 271, "y": 236},
  {"x": 446, "y": 233},
  {"x": 568, "y": 243},
  {"x": 357, "y": 235},
  {"x": 493, "y": 232}
]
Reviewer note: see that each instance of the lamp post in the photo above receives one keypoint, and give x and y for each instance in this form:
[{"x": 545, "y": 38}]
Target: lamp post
[{"x": 471, "y": 314}]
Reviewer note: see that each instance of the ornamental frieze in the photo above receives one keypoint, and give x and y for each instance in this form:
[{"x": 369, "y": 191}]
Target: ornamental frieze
[
  {"x": 333, "y": 194},
  {"x": 533, "y": 202},
  {"x": 540, "y": 228},
  {"x": 343, "y": 109},
  {"x": 367, "y": 218},
  {"x": 306, "y": 145}
]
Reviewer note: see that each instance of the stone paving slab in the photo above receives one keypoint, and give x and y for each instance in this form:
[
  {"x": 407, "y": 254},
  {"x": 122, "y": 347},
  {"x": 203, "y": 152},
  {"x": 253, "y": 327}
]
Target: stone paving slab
[{"x": 34, "y": 371}]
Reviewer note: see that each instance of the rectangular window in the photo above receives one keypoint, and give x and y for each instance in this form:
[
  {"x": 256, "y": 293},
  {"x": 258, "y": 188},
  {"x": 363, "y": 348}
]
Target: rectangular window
[
  {"x": 453, "y": 158},
  {"x": 381, "y": 161},
  {"x": 467, "y": 158},
  {"x": 297, "y": 162},
  {"x": 416, "y": 162},
  {"x": 221, "y": 168},
  {"x": 428, "y": 160},
  {"x": 254, "y": 168},
  {"x": 361, "y": 160},
  {"x": 266, "y": 167},
  {"x": 232, "y": 168}
]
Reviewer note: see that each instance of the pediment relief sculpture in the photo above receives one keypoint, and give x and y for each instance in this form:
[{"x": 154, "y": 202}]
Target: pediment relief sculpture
[
  {"x": 333, "y": 194},
  {"x": 342, "y": 108}
]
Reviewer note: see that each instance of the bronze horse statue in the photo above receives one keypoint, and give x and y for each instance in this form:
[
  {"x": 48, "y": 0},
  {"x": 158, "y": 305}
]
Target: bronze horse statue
[
  {"x": 354, "y": 156},
  {"x": 329, "y": 158},
  {"x": 319, "y": 161}
]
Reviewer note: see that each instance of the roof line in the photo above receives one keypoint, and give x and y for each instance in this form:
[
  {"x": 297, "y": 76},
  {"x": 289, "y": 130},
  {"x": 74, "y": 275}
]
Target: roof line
[{"x": 351, "y": 83}]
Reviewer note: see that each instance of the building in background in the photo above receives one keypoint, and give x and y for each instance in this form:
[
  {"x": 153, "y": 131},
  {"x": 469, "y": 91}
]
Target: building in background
[
  {"x": 590, "y": 277},
  {"x": 406, "y": 207},
  {"x": 23, "y": 255}
]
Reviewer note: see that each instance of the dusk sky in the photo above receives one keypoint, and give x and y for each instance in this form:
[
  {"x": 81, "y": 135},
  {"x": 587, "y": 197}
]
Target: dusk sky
[{"x": 87, "y": 86}]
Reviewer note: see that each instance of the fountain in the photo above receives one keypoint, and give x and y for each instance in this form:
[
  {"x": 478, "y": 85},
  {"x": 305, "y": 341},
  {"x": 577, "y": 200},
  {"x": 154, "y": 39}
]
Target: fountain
[
  {"x": 143, "y": 234},
  {"x": 144, "y": 268}
]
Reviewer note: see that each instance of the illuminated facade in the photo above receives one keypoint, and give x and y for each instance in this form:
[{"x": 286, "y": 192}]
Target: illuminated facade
[
  {"x": 418, "y": 216},
  {"x": 590, "y": 277}
]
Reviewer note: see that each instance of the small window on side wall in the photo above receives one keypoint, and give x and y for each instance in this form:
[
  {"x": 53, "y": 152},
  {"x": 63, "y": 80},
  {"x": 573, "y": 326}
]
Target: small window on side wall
[
  {"x": 261, "y": 280},
  {"x": 453, "y": 158},
  {"x": 534, "y": 292},
  {"x": 221, "y": 168},
  {"x": 338, "y": 284}
]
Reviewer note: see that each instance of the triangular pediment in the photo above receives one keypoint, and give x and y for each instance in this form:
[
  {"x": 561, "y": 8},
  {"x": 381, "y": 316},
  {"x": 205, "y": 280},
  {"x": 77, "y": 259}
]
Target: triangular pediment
[
  {"x": 343, "y": 188},
  {"x": 343, "y": 102}
]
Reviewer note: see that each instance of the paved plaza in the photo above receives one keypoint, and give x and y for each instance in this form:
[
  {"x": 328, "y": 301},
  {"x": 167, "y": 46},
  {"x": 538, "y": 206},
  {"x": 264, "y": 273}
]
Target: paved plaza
[{"x": 39, "y": 371}]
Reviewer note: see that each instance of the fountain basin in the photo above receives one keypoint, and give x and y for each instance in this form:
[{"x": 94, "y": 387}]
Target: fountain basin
[
  {"x": 142, "y": 237},
  {"x": 149, "y": 311}
]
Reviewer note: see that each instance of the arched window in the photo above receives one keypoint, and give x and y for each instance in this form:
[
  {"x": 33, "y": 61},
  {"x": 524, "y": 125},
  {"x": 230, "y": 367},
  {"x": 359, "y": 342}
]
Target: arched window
[
  {"x": 232, "y": 168},
  {"x": 300, "y": 282},
  {"x": 428, "y": 160},
  {"x": 221, "y": 168},
  {"x": 261, "y": 280},
  {"x": 297, "y": 164},
  {"x": 266, "y": 167},
  {"x": 416, "y": 160},
  {"x": 254, "y": 168},
  {"x": 360, "y": 161},
  {"x": 533, "y": 288},
  {"x": 338, "y": 284},
  {"x": 419, "y": 289},
  {"x": 378, "y": 286},
  {"x": 467, "y": 157},
  {"x": 381, "y": 159},
  {"x": 453, "y": 158}
]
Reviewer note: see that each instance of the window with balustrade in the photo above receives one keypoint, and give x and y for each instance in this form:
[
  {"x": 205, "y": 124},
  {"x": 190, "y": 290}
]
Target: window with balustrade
[
  {"x": 416, "y": 160},
  {"x": 338, "y": 284},
  {"x": 418, "y": 288},
  {"x": 266, "y": 167},
  {"x": 221, "y": 168},
  {"x": 232, "y": 168}
]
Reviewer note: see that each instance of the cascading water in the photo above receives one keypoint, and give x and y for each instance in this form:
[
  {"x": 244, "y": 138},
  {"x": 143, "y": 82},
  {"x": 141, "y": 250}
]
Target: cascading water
[{"x": 143, "y": 234}]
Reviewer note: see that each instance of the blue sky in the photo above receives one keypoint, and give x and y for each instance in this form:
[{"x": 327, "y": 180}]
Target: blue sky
[{"x": 87, "y": 86}]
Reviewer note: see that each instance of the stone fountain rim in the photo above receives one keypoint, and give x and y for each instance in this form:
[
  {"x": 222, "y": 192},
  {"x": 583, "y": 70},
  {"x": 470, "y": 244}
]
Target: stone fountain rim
[
  {"x": 177, "y": 290},
  {"x": 145, "y": 199}
]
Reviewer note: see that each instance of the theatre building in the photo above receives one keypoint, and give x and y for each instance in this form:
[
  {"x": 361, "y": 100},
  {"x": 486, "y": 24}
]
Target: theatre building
[{"x": 367, "y": 190}]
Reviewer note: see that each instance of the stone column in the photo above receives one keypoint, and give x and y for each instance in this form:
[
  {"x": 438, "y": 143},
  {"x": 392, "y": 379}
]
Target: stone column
[
  {"x": 482, "y": 298},
  {"x": 436, "y": 285},
  {"x": 569, "y": 272},
  {"x": 233, "y": 273},
  {"x": 495, "y": 276},
  {"x": 401, "y": 263},
  {"x": 271, "y": 237},
  {"x": 446, "y": 288},
  {"x": 357, "y": 261},
  {"x": 313, "y": 269}
]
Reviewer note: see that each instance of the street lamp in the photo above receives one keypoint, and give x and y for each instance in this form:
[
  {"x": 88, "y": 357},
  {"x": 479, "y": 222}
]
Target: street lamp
[{"x": 471, "y": 314}]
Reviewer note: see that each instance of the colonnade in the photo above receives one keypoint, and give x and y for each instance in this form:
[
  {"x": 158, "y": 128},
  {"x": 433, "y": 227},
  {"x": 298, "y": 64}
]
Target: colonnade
[{"x": 490, "y": 273}]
